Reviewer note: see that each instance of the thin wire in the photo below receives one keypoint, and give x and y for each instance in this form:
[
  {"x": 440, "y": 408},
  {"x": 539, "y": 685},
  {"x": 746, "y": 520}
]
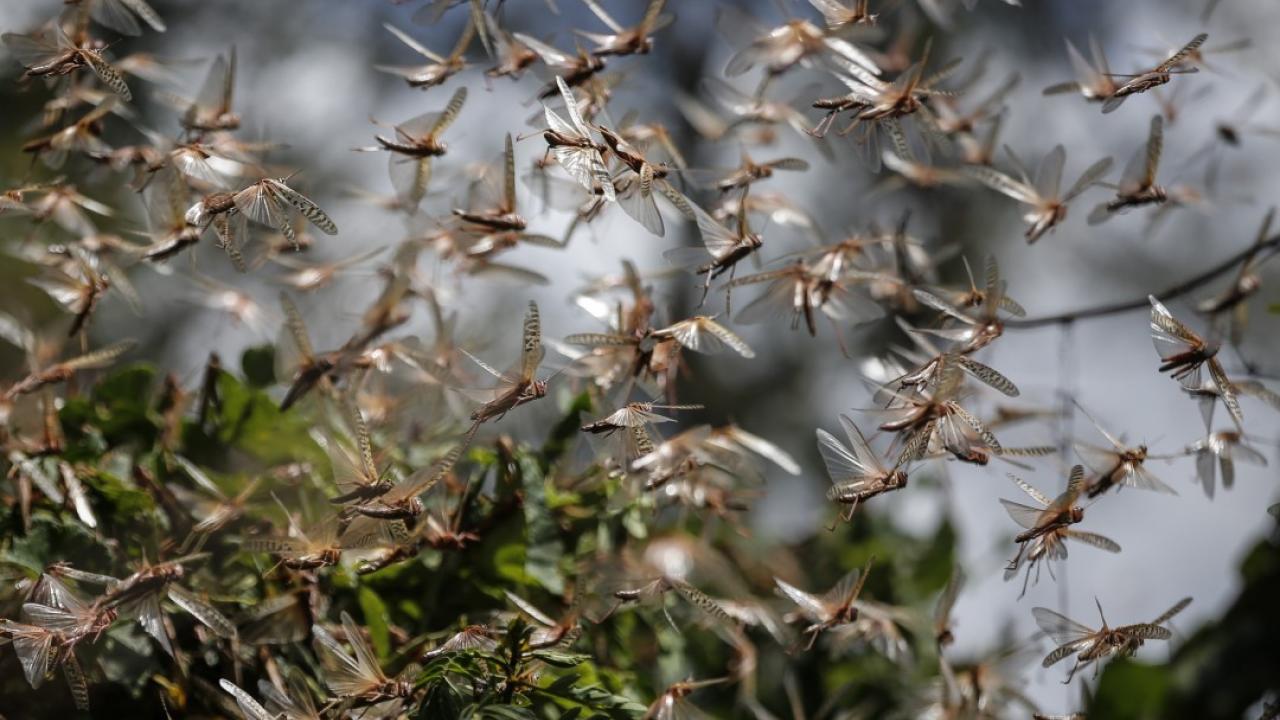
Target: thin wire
[
  {"x": 1065, "y": 423},
  {"x": 1182, "y": 288}
]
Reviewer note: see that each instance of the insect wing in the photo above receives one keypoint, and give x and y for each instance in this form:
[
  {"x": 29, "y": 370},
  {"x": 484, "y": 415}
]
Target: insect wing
[
  {"x": 1168, "y": 615},
  {"x": 1049, "y": 174},
  {"x": 531, "y": 350},
  {"x": 1026, "y": 516},
  {"x": 1094, "y": 539},
  {"x": 202, "y": 611},
  {"x": 1087, "y": 179},
  {"x": 347, "y": 675},
  {"x": 1061, "y": 628},
  {"x": 305, "y": 206},
  {"x": 250, "y": 708},
  {"x": 809, "y": 605}
]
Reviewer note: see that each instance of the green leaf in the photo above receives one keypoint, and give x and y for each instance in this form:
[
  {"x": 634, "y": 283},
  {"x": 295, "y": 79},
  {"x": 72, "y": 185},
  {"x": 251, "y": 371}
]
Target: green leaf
[
  {"x": 252, "y": 422},
  {"x": 566, "y": 431},
  {"x": 375, "y": 619},
  {"x": 543, "y": 549},
  {"x": 122, "y": 402},
  {"x": 1130, "y": 691},
  {"x": 259, "y": 366}
]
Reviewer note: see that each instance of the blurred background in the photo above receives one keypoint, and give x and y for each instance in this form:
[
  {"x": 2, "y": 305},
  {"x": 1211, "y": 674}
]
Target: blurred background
[{"x": 306, "y": 78}]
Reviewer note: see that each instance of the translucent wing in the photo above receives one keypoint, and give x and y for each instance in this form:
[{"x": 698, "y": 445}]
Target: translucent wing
[
  {"x": 32, "y": 645},
  {"x": 30, "y": 49},
  {"x": 1026, "y": 516},
  {"x": 1086, "y": 73},
  {"x": 1090, "y": 176},
  {"x": 550, "y": 55},
  {"x": 1138, "y": 476},
  {"x": 213, "y": 91},
  {"x": 1049, "y": 174},
  {"x": 1167, "y": 330},
  {"x": 764, "y": 449},
  {"x": 150, "y": 618},
  {"x": 1002, "y": 183},
  {"x": 416, "y": 46},
  {"x": 846, "y": 464},
  {"x": 987, "y": 437},
  {"x": 202, "y": 611},
  {"x": 946, "y": 601},
  {"x": 718, "y": 239},
  {"x": 809, "y": 604},
  {"x": 100, "y": 358},
  {"x": 345, "y": 674},
  {"x": 704, "y": 335},
  {"x": 599, "y": 12},
  {"x": 847, "y": 589},
  {"x": 249, "y": 707},
  {"x": 637, "y": 200},
  {"x": 1226, "y": 391},
  {"x": 1061, "y": 628},
  {"x": 258, "y": 203}
]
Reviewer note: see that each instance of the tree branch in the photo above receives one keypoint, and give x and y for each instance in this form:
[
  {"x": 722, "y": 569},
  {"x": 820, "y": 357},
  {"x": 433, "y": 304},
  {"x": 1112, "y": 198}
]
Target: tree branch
[{"x": 1182, "y": 288}]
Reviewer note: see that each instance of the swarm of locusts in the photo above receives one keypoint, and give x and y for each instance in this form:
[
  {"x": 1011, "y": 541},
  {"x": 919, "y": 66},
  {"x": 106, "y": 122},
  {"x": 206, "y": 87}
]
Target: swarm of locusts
[{"x": 348, "y": 529}]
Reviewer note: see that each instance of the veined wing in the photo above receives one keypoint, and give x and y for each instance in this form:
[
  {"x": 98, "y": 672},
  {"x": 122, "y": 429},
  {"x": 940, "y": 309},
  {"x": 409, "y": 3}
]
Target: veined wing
[
  {"x": 987, "y": 375},
  {"x": 346, "y": 674},
  {"x": 1049, "y": 175},
  {"x": 294, "y": 347},
  {"x": 1002, "y": 183},
  {"x": 99, "y": 358},
  {"x": 1094, "y": 539},
  {"x": 1167, "y": 329},
  {"x": 1168, "y": 615},
  {"x": 1182, "y": 53},
  {"x": 809, "y": 604},
  {"x": 704, "y": 335},
  {"x": 846, "y": 591},
  {"x": 946, "y": 601},
  {"x": 549, "y": 55},
  {"x": 1088, "y": 178},
  {"x": 450, "y": 113},
  {"x": 1155, "y": 145},
  {"x": 846, "y": 464},
  {"x": 416, "y": 46},
  {"x": 1226, "y": 391},
  {"x": 1075, "y": 484},
  {"x": 1030, "y": 490},
  {"x": 1061, "y": 628},
  {"x": 718, "y": 239},
  {"x": 202, "y": 611},
  {"x": 1146, "y": 631},
  {"x": 304, "y": 205},
  {"x": 1136, "y": 475},
  {"x": 258, "y": 203},
  {"x": 531, "y": 350},
  {"x": 1026, "y": 516},
  {"x": 250, "y": 708},
  {"x": 604, "y": 17}
]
